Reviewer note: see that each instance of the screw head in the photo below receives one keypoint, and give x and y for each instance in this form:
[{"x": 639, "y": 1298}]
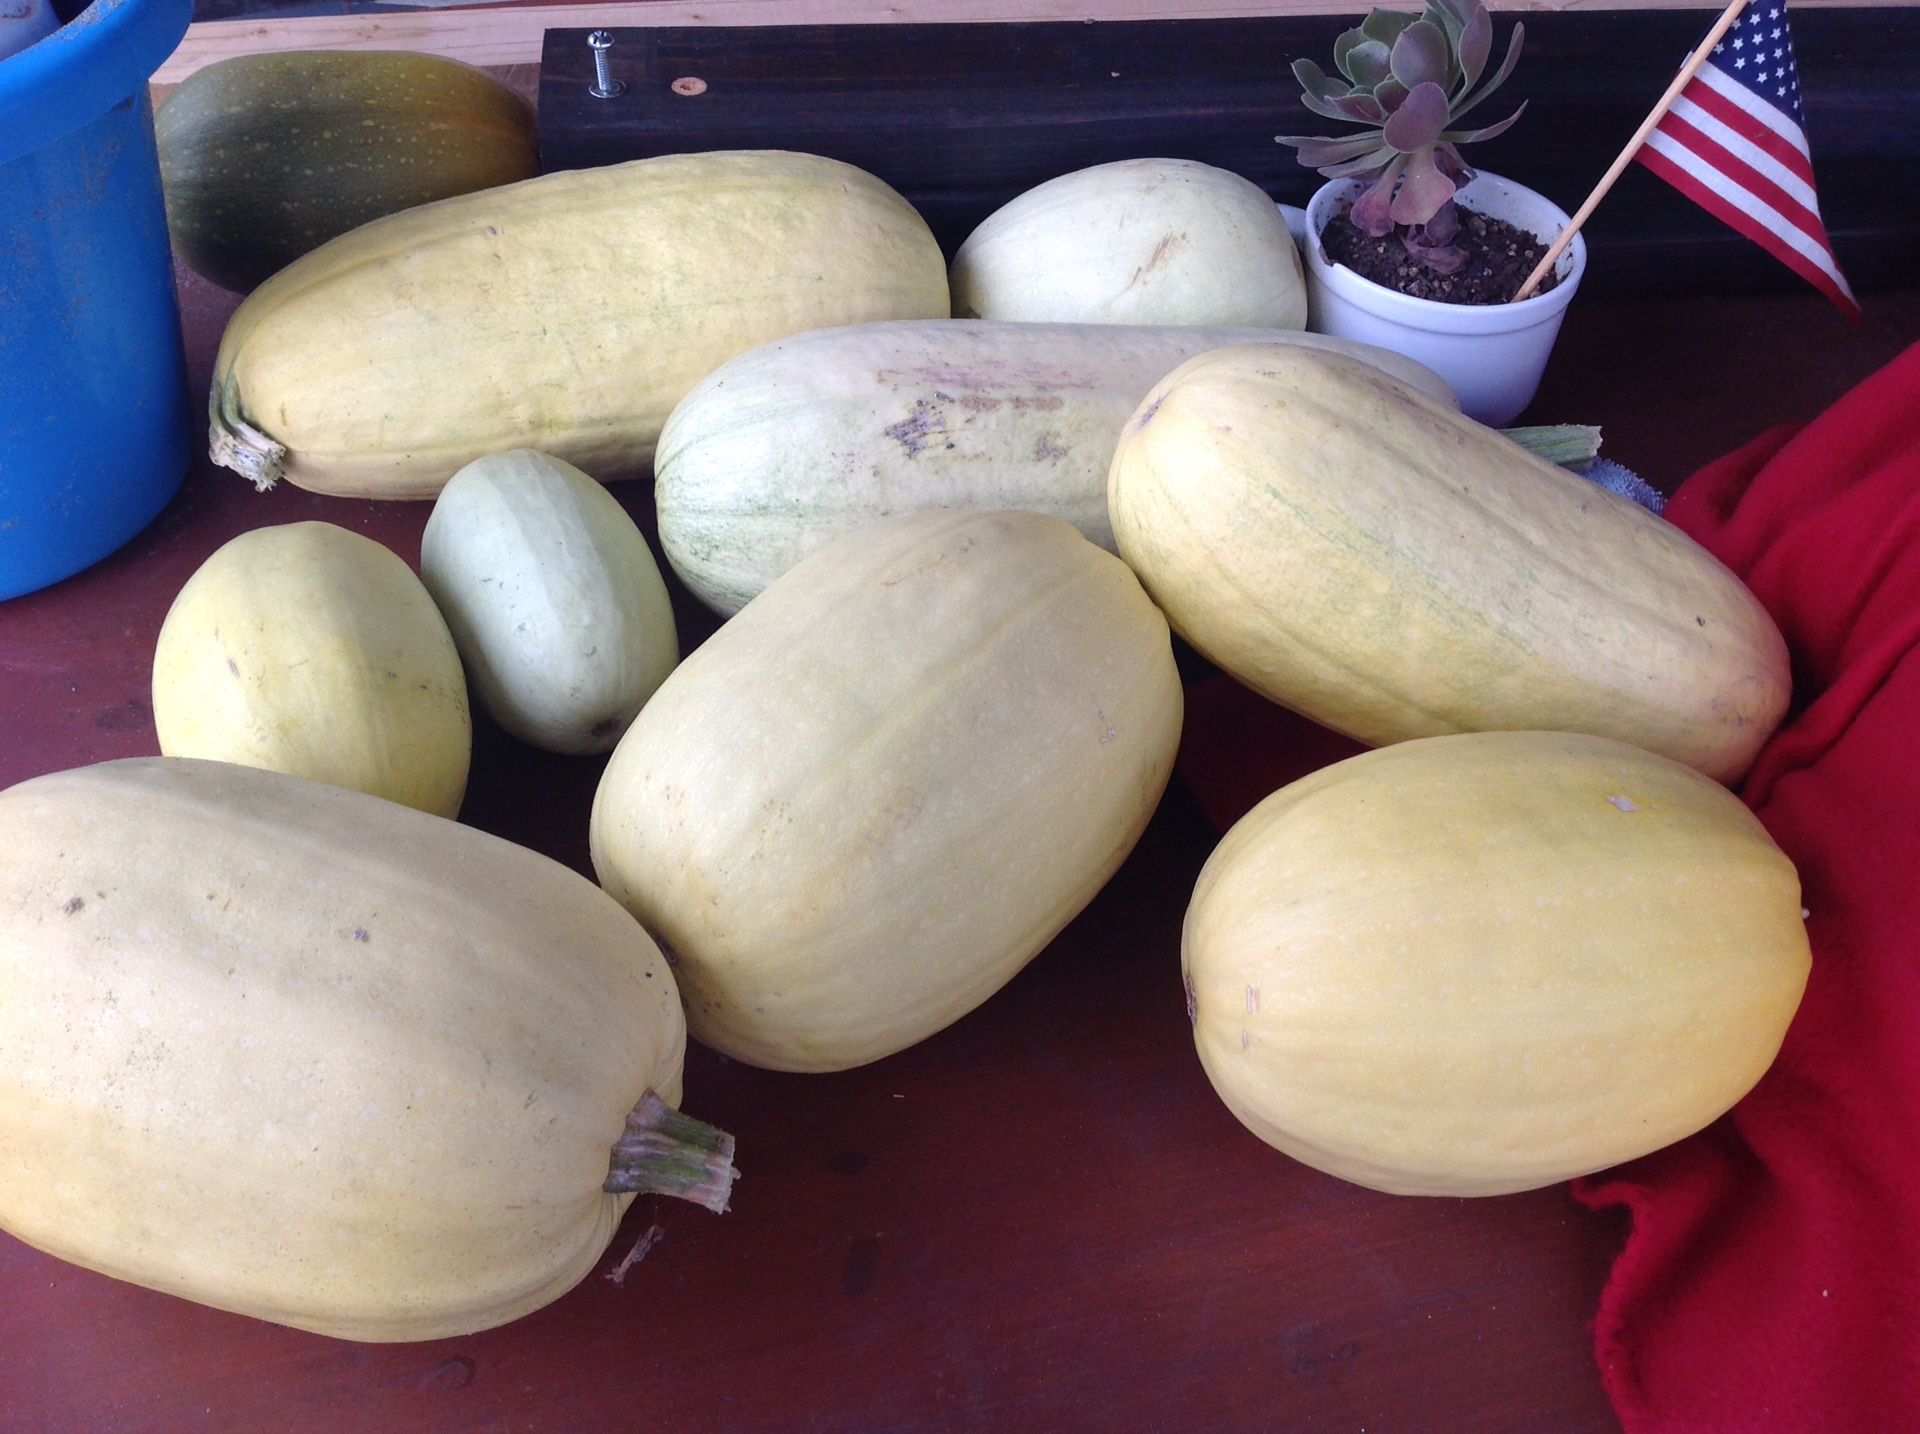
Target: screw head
[{"x": 604, "y": 86}]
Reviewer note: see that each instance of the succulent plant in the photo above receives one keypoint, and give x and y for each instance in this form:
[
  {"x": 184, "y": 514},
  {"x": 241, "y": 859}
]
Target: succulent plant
[{"x": 1408, "y": 79}]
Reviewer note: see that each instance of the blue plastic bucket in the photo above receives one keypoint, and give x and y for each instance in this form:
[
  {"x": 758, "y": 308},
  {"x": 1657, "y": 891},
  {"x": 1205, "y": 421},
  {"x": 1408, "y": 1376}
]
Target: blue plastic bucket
[{"x": 94, "y": 416}]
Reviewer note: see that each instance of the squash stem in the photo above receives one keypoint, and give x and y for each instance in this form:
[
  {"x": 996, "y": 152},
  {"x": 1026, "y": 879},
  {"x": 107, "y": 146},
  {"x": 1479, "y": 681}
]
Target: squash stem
[
  {"x": 663, "y": 1152},
  {"x": 234, "y": 443},
  {"x": 1570, "y": 445}
]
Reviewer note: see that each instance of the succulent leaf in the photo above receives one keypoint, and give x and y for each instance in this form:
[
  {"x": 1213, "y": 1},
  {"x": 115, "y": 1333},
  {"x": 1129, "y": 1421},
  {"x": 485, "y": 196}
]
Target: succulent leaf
[
  {"x": 1318, "y": 152},
  {"x": 1473, "y": 47},
  {"x": 1315, "y": 81},
  {"x": 1422, "y": 55},
  {"x": 1409, "y": 79},
  {"x": 1450, "y": 17},
  {"x": 1417, "y": 125},
  {"x": 1443, "y": 227},
  {"x": 1367, "y": 165},
  {"x": 1423, "y": 191},
  {"x": 1500, "y": 75},
  {"x": 1386, "y": 25},
  {"x": 1451, "y": 164},
  {"x": 1441, "y": 258},
  {"x": 1368, "y": 63},
  {"x": 1361, "y": 105},
  {"x": 1372, "y": 211},
  {"x": 1472, "y": 136},
  {"x": 1344, "y": 46},
  {"x": 1331, "y": 108}
]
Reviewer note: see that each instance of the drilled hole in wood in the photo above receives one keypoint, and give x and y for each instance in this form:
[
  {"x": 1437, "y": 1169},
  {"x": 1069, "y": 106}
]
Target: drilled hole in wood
[{"x": 689, "y": 85}]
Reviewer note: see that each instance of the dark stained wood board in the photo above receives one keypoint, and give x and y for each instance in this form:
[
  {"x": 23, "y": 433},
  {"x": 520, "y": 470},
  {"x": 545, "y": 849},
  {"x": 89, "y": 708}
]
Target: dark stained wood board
[{"x": 962, "y": 117}]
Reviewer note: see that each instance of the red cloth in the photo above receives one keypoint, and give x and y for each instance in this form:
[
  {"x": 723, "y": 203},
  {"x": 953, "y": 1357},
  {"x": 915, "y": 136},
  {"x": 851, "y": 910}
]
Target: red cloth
[
  {"x": 1772, "y": 1278},
  {"x": 1771, "y": 1281}
]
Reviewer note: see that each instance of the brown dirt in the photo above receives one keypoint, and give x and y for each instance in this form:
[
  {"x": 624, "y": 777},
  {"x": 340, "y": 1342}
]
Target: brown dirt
[{"x": 1499, "y": 258}]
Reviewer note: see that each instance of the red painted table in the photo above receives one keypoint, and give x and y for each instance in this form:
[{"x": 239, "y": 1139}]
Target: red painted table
[{"x": 1040, "y": 1218}]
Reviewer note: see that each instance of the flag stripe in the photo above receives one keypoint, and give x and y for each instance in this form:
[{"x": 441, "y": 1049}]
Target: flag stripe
[
  {"x": 1734, "y": 144},
  {"x": 1820, "y": 270},
  {"x": 1797, "y": 184},
  {"x": 1759, "y": 125},
  {"x": 1740, "y": 97},
  {"x": 1812, "y": 247},
  {"x": 1792, "y": 208},
  {"x": 1776, "y": 225}
]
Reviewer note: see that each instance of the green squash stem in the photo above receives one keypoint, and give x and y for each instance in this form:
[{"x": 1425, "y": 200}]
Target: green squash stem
[
  {"x": 234, "y": 443},
  {"x": 1570, "y": 445},
  {"x": 663, "y": 1152}
]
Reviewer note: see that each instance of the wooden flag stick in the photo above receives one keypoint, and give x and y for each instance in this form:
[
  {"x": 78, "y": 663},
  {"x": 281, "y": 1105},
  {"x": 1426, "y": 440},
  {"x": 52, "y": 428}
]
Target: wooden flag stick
[{"x": 1625, "y": 157}]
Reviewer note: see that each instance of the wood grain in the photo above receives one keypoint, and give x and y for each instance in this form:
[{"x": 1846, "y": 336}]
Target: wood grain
[
  {"x": 961, "y": 118},
  {"x": 512, "y": 35}
]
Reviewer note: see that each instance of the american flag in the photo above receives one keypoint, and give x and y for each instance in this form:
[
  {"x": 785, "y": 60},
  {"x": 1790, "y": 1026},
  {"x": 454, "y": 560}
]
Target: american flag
[{"x": 1734, "y": 143}]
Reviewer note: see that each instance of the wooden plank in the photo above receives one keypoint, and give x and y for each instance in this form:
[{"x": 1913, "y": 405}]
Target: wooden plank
[
  {"x": 512, "y": 36},
  {"x": 961, "y": 118}
]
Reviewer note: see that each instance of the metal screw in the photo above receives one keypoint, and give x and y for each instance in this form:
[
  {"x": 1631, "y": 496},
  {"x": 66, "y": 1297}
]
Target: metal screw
[{"x": 605, "y": 86}]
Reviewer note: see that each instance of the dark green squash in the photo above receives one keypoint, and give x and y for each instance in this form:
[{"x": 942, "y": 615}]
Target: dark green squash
[{"x": 265, "y": 157}]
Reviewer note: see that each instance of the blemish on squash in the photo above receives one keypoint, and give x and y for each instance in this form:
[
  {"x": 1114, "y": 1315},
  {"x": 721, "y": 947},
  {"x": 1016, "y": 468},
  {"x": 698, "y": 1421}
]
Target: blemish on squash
[
  {"x": 1166, "y": 248},
  {"x": 233, "y": 667},
  {"x": 74, "y": 905},
  {"x": 1246, "y": 1039},
  {"x": 362, "y": 935},
  {"x": 1253, "y": 999},
  {"x": 1169, "y": 245},
  {"x": 1193, "y": 1000},
  {"x": 1625, "y": 804},
  {"x": 915, "y": 430}
]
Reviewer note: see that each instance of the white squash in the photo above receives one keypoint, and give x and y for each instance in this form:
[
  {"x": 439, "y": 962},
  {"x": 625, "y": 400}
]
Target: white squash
[
  {"x": 777, "y": 451},
  {"x": 553, "y": 597},
  {"x": 1138, "y": 241}
]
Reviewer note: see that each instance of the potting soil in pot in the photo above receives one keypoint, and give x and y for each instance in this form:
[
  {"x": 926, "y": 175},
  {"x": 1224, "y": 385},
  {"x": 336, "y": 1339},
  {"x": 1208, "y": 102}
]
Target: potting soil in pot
[{"x": 1499, "y": 258}]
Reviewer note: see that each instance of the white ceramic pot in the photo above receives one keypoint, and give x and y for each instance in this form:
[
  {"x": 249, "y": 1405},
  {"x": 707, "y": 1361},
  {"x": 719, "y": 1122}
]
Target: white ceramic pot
[{"x": 1492, "y": 354}]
